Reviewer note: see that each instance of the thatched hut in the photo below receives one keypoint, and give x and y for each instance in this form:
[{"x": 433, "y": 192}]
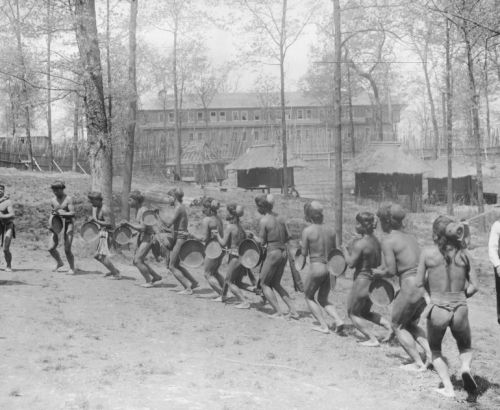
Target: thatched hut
[
  {"x": 386, "y": 171},
  {"x": 261, "y": 166},
  {"x": 200, "y": 163},
  {"x": 463, "y": 183}
]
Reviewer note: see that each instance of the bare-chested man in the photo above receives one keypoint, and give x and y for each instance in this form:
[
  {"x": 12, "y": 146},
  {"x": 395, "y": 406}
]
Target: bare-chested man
[
  {"x": 7, "y": 229},
  {"x": 101, "y": 216},
  {"x": 445, "y": 271},
  {"x": 365, "y": 256},
  {"x": 63, "y": 206},
  {"x": 212, "y": 226},
  {"x": 234, "y": 235},
  {"x": 401, "y": 255},
  {"x": 145, "y": 240},
  {"x": 318, "y": 241},
  {"x": 179, "y": 225},
  {"x": 273, "y": 233}
]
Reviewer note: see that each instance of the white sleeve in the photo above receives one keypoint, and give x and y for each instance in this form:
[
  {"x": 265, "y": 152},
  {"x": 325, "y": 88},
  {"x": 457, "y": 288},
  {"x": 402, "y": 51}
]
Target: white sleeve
[{"x": 493, "y": 244}]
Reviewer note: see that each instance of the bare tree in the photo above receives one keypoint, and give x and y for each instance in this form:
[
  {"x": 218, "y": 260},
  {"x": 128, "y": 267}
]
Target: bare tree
[{"x": 337, "y": 116}]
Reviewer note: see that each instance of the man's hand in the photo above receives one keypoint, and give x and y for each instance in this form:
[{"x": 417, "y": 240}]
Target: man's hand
[{"x": 378, "y": 273}]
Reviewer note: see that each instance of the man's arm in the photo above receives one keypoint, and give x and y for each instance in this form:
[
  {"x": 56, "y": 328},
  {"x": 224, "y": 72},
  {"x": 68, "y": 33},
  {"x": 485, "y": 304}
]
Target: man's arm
[
  {"x": 10, "y": 212},
  {"x": 71, "y": 208},
  {"x": 168, "y": 222},
  {"x": 205, "y": 232},
  {"x": 262, "y": 237},
  {"x": 421, "y": 269},
  {"x": 352, "y": 259},
  {"x": 389, "y": 267},
  {"x": 106, "y": 218},
  {"x": 493, "y": 246},
  {"x": 472, "y": 276},
  {"x": 225, "y": 240},
  {"x": 304, "y": 243}
]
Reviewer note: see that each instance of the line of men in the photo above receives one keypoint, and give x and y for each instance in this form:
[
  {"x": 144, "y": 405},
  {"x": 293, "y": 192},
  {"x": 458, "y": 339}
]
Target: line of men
[{"x": 442, "y": 274}]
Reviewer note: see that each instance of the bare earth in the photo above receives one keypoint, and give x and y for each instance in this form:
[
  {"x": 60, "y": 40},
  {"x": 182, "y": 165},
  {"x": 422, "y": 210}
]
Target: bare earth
[{"x": 86, "y": 342}]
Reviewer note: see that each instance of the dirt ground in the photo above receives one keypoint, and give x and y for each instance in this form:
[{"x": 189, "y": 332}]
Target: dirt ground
[{"x": 86, "y": 342}]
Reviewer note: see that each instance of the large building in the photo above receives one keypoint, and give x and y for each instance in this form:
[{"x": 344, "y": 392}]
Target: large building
[{"x": 233, "y": 122}]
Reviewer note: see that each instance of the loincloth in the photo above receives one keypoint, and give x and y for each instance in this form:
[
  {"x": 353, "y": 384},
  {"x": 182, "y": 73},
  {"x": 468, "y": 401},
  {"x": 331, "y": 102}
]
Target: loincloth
[
  {"x": 363, "y": 274},
  {"x": 103, "y": 244},
  {"x": 449, "y": 301},
  {"x": 5, "y": 227},
  {"x": 318, "y": 259}
]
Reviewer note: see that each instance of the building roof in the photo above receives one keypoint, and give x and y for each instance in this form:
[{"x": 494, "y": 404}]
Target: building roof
[
  {"x": 152, "y": 101},
  {"x": 263, "y": 156},
  {"x": 198, "y": 152},
  {"x": 439, "y": 169},
  {"x": 387, "y": 158}
]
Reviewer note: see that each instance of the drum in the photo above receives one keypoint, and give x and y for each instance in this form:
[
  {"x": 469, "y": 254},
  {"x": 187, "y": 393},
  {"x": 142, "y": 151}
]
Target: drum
[
  {"x": 122, "y": 235},
  {"x": 213, "y": 250},
  {"x": 90, "y": 231},
  {"x": 336, "y": 263},
  {"x": 299, "y": 259},
  {"x": 149, "y": 217},
  {"x": 381, "y": 292},
  {"x": 250, "y": 253},
  {"x": 56, "y": 224},
  {"x": 192, "y": 253}
]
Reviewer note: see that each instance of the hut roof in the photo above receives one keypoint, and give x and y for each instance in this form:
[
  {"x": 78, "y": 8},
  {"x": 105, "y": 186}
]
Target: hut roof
[
  {"x": 198, "y": 152},
  {"x": 263, "y": 156},
  {"x": 439, "y": 169},
  {"x": 387, "y": 158}
]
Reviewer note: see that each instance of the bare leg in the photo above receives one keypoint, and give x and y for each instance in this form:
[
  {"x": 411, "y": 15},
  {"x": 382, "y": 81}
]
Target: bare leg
[
  {"x": 276, "y": 285},
  {"x": 68, "y": 243},
  {"x": 311, "y": 285},
  {"x": 437, "y": 324},
  {"x": 408, "y": 343},
  {"x": 419, "y": 335},
  {"x": 54, "y": 241},
  {"x": 442, "y": 370},
  {"x": 360, "y": 324},
  {"x": 381, "y": 321},
  {"x": 140, "y": 254},
  {"x": 271, "y": 298},
  {"x": 213, "y": 281},
  {"x": 108, "y": 264},
  {"x": 6, "y": 249},
  {"x": 323, "y": 293}
]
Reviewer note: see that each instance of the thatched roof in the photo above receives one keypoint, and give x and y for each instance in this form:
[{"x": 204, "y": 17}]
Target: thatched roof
[
  {"x": 263, "y": 156},
  {"x": 439, "y": 169},
  {"x": 198, "y": 152},
  {"x": 387, "y": 158}
]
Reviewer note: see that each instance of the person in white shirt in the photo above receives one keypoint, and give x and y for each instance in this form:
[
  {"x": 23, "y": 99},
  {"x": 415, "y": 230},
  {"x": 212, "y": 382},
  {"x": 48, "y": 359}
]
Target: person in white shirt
[{"x": 495, "y": 260}]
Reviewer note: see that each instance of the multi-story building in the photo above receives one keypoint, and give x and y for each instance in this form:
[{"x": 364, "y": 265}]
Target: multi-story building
[{"x": 233, "y": 122}]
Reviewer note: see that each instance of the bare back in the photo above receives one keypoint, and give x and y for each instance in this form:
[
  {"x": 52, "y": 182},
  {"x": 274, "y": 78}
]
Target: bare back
[
  {"x": 273, "y": 230},
  {"x": 401, "y": 252},
  {"x": 317, "y": 242},
  {"x": 366, "y": 254},
  {"x": 180, "y": 221},
  {"x": 212, "y": 223}
]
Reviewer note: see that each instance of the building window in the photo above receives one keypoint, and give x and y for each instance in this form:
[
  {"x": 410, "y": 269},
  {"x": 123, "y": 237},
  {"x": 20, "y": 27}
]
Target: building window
[
  {"x": 244, "y": 138},
  {"x": 191, "y": 116},
  {"x": 322, "y": 114},
  {"x": 170, "y": 117},
  {"x": 191, "y": 136},
  {"x": 200, "y": 135},
  {"x": 299, "y": 134},
  {"x": 213, "y": 115},
  {"x": 308, "y": 114},
  {"x": 256, "y": 135},
  {"x": 236, "y": 115},
  {"x": 244, "y": 116},
  {"x": 289, "y": 114},
  {"x": 235, "y": 135},
  {"x": 222, "y": 116},
  {"x": 300, "y": 114},
  {"x": 200, "y": 115},
  {"x": 256, "y": 115}
]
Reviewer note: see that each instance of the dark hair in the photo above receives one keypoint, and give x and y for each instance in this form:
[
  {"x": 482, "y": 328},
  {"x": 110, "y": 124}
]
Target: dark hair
[
  {"x": 392, "y": 214},
  {"x": 137, "y": 196},
  {"x": 446, "y": 232},
  {"x": 314, "y": 213},
  {"x": 93, "y": 195},
  {"x": 58, "y": 185},
  {"x": 177, "y": 193},
  {"x": 235, "y": 211},
  {"x": 367, "y": 221},
  {"x": 262, "y": 202}
]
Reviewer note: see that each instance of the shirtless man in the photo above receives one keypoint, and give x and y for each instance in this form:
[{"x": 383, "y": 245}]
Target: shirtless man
[
  {"x": 318, "y": 241},
  {"x": 445, "y": 271},
  {"x": 273, "y": 233},
  {"x": 234, "y": 235},
  {"x": 179, "y": 225},
  {"x": 145, "y": 240},
  {"x": 401, "y": 255},
  {"x": 364, "y": 258},
  {"x": 63, "y": 206},
  {"x": 7, "y": 229},
  {"x": 101, "y": 216},
  {"x": 211, "y": 226}
]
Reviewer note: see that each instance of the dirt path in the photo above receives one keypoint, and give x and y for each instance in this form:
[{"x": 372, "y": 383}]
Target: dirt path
[{"x": 85, "y": 342}]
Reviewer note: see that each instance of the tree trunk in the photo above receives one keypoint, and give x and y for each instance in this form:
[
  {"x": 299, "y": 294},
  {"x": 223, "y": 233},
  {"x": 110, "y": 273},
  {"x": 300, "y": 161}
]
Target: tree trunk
[
  {"x": 349, "y": 108},
  {"x": 486, "y": 95},
  {"x": 475, "y": 120},
  {"x": 337, "y": 126},
  {"x": 435, "y": 126},
  {"x": 449, "y": 119},
  {"x": 132, "y": 112},
  {"x": 24, "y": 86},
  {"x": 75, "y": 133},
  {"x": 108, "y": 69},
  {"x": 98, "y": 137},
  {"x": 282, "y": 99},
  {"x": 49, "y": 85},
  {"x": 178, "y": 152}
]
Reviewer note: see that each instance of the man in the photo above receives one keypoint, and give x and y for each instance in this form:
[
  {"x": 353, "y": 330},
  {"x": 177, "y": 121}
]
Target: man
[
  {"x": 493, "y": 253},
  {"x": 445, "y": 271},
  {"x": 145, "y": 240},
  {"x": 401, "y": 255},
  {"x": 7, "y": 229},
  {"x": 179, "y": 225},
  {"x": 63, "y": 206},
  {"x": 318, "y": 241},
  {"x": 364, "y": 256},
  {"x": 273, "y": 233},
  {"x": 101, "y": 216}
]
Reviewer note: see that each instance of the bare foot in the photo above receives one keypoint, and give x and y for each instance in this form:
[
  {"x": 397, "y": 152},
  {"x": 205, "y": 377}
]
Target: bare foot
[
  {"x": 470, "y": 385},
  {"x": 340, "y": 328},
  {"x": 70, "y": 272},
  {"x": 370, "y": 343},
  {"x": 195, "y": 285},
  {"x": 242, "y": 305},
  {"x": 321, "y": 329},
  {"x": 107, "y": 274},
  {"x": 444, "y": 392},
  {"x": 58, "y": 267},
  {"x": 218, "y": 299},
  {"x": 155, "y": 281},
  {"x": 116, "y": 277},
  {"x": 388, "y": 337},
  {"x": 293, "y": 315},
  {"x": 185, "y": 292},
  {"x": 277, "y": 316},
  {"x": 413, "y": 367},
  {"x": 147, "y": 285},
  {"x": 8, "y": 269}
]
